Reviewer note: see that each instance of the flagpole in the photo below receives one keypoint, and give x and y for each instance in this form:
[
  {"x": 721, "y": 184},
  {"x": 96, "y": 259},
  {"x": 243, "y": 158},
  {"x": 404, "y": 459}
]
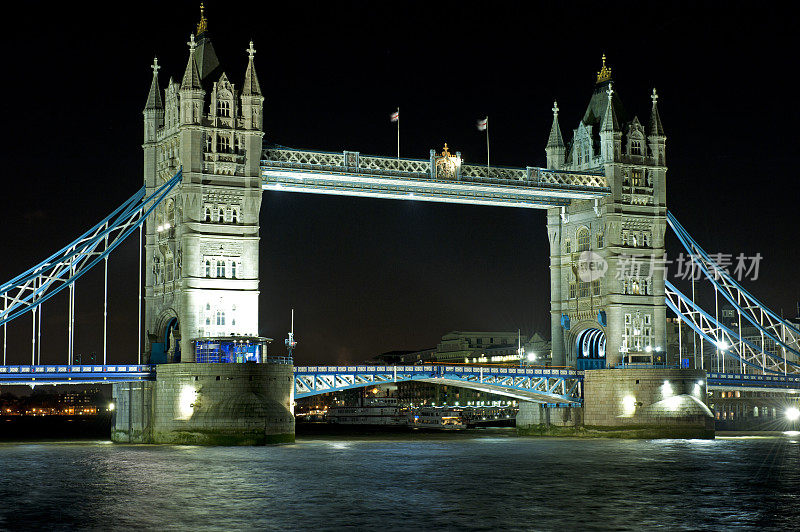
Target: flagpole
[
  {"x": 487, "y": 143},
  {"x": 398, "y": 133}
]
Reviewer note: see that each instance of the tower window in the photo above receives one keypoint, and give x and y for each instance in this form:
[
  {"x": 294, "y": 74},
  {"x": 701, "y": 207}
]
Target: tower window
[
  {"x": 568, "y": 247},
  {"x": 223, "y": 108},
  {"x": 209, "y": 142},
  {"x": 233, "y": 273},
  {"x": 223, "y": 144},
  {"x": 636, "y": 147},
  {"x": 235, "y": 216},
  {"x": 208, "y": 214},
  {"x": 220, "y": 268},
  {"x": 220, "y": 318},
  {"x": 600, "y": 240},
  {"x": 208, "y": 274},
  {"x": 583, "y": 239},
  {"x": 221, "y": 214},
  {"x": 636, "y": 178}
]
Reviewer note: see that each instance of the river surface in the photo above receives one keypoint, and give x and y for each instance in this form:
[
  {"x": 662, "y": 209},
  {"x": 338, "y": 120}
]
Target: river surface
[{"x": 489, "y": 481}]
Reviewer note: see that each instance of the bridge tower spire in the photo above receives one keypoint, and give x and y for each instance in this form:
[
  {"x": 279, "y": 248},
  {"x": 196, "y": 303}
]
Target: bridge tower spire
[{"x": 555, "y": 143}]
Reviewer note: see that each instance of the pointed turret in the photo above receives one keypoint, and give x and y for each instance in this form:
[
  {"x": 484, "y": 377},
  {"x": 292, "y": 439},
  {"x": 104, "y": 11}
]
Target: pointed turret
[
  {"x": 252, "y": 99},
  {"x": 656, "y": 129},
  {"x": 251, "y": 86},
  {"x": 609, "y": 122},
  {"x": 154, "y": 108},
  {"x": 191, "y": 78},
  {"x": 656, "y": 139},
  {"x": 154, "y": 96},
  {"x": 610, "y": 132},
  {"x": 555, "y": 143},
  {"x": 192, "y": 92}
]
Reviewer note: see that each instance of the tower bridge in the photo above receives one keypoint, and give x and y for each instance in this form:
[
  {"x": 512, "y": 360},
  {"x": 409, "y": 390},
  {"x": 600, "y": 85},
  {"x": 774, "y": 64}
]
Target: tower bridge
[{"x": 206, "y": 166}]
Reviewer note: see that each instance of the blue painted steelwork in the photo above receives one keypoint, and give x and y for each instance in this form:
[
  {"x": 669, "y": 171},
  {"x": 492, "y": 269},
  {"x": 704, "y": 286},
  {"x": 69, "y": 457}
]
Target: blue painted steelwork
[
  {"x": 542, "y": 385},
  {"x": 765, "y": 320},
  {"x": 88, "y": 374},
  {"x": 715, "y": 333},
  {"x": 30, "y": 289}
]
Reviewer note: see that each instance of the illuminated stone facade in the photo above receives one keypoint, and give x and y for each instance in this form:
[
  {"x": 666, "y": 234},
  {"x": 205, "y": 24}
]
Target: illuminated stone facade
[
  {"x": 626, "y": 303},
  {"x": 201, "y": 244}
]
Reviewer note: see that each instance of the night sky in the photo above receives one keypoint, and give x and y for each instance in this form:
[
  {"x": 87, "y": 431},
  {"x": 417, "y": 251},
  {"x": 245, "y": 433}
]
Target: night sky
[{"x": 365, "y": 275}]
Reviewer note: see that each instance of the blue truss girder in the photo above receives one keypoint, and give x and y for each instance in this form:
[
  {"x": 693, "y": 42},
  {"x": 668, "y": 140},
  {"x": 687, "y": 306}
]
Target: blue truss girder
[
  {"x": 69, "y": 374},
  {"x": 765, "y": 320},
  {"x": 716, "y": 333},
  {"x": 552, "y": 386},
  {"x": 38, "y": 284}
]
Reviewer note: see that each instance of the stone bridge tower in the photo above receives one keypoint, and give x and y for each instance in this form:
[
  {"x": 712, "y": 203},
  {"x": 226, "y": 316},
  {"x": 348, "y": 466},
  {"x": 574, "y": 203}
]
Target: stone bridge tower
[
  {"x": 201, "y": 274},
  {"x": 600, "y": 313}
]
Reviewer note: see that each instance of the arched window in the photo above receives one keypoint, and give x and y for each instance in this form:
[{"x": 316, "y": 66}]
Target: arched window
[
  {"x": 208, "y": 321},
  {"x": 208, "y": 274},
  {"x": 634, "y": 287},
  {"x": 208, "y": 306},
  {"x": 220, "y": 268},
  {"x": 209, "y": 143},
  {"x": 208, "y": 214},
  {"x": 233, "y": 273},
  {"x": 583, "y": 239},
  {"x": 221, "y": 214},
  {"x": 636, "y": 147},
  {"x": 223, "y": 108},
  {"x": 235, "y": 216}
]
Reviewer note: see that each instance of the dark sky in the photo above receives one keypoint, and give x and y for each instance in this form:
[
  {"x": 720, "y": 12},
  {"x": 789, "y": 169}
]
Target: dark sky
[{"x": 367, "y": 275}]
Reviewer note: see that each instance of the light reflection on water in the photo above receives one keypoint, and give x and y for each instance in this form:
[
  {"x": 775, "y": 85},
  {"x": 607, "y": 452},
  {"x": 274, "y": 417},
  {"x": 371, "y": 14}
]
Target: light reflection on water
[{"x": 396, "y": 482}]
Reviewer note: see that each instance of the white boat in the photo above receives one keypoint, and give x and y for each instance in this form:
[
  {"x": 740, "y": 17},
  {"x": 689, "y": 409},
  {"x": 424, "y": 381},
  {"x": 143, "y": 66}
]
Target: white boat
[{"x": 430, "y": 417}]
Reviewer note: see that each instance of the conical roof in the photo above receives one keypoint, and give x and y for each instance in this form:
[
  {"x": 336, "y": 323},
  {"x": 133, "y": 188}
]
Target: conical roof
[
  {"x": 251, "y": 86},
  {"x": 555, "y": 140},
  {"x": 154, "y": 96},
  {"x": 656, "y": 128},
  {"x": 191, "y": 77}
]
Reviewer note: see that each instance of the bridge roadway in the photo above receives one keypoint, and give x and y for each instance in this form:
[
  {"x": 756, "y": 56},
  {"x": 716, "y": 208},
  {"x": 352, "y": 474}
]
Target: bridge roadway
[
  {"x": 442, "y": 178},
  {"x": 541, "y": 385}
]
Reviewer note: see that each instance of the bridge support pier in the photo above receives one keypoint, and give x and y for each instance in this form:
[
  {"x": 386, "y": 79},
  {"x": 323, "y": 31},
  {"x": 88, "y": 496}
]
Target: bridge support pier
[
  {"x": 207, "y": 404},
  {"x": 628, "y": 403}
]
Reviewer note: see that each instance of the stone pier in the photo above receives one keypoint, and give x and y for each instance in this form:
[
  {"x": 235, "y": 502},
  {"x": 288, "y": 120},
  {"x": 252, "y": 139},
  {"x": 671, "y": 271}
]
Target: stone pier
[
  {"x": 207, "y": 404},
  {"x": 629, "y": 403}
]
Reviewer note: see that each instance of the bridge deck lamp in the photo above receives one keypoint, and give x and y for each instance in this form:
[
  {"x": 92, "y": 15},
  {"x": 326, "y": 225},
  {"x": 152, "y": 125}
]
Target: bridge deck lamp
[{"x": 792, "y": 413}]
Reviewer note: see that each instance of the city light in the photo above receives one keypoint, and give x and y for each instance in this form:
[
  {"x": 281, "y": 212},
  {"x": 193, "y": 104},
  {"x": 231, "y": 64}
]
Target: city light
[
  {"x": 792, "y": 413},
  {"x": 111, "y": 406},
  {"x": 722, "y": 345},
  {"x": 531, "y": 357}
]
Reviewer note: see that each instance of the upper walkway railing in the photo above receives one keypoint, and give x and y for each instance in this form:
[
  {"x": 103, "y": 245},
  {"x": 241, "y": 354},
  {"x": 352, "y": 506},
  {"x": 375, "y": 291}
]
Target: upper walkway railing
[{"x": 440, "y": 178}]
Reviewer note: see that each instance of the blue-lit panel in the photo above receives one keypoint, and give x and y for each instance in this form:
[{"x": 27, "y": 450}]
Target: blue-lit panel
[{"x": 221, "y": 352}]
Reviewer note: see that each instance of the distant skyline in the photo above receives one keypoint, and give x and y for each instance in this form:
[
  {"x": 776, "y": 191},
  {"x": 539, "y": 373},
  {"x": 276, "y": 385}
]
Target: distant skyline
[{"x": 367, "y": 276}]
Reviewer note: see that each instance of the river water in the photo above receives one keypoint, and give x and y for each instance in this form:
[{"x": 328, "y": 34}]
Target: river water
[{"x": 478, "y": 481}]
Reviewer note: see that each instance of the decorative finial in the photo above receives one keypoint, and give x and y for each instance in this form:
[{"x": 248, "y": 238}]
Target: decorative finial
[
  {"x": 251, "y": 51},
  {"x": 155, "y": 66},
  {"x": 610, "y": 91},
  {"x": 654, "y": 97},
  {"x": 555, "y": 108},
  {"x": 445, "y": 152},
  {"x": 203, "y": 24},
  {"x": 605, "y": 72},
  {"x": 191, "y": 43}
]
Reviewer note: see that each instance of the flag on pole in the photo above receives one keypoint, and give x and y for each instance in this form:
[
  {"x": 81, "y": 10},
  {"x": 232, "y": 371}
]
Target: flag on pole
[
  {"x": 395, "y": 116},
  {"x": 483, "y": 124}
]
